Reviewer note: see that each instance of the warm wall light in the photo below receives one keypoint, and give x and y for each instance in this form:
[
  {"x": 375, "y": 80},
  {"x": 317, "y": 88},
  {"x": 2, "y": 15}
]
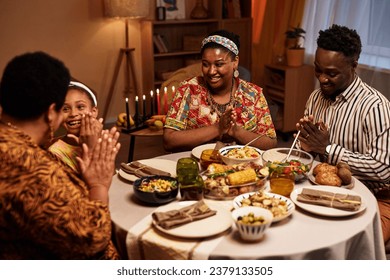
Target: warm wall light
[{"x": 127, "y": 9}]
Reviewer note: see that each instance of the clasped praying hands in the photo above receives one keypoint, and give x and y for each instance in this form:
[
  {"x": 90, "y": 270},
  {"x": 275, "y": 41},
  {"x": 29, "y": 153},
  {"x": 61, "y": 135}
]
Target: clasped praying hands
[{"x": 314, "y": 137}]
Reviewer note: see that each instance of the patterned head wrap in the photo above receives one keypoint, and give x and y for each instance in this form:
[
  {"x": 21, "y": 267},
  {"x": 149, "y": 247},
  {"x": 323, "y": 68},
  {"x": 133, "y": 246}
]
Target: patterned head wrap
[
  {"x": 84, "y": 87},
  {"x": 223, "y": 41}
]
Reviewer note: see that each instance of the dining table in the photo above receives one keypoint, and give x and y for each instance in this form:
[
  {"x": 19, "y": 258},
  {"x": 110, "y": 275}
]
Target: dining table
[{"x": 303, "y": 235}]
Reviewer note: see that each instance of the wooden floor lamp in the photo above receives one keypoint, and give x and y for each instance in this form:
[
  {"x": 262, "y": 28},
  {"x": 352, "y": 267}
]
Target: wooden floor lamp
[{"x": 127, "y": 9}]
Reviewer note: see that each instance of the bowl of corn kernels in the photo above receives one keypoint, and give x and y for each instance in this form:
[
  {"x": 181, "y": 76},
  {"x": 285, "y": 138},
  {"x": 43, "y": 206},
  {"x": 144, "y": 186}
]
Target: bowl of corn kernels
[{"x": 156, "y": 189}]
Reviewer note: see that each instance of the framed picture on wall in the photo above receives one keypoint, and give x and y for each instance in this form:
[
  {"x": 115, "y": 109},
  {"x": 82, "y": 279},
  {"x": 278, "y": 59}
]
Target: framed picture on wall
[{"x": 175, "y": 9}]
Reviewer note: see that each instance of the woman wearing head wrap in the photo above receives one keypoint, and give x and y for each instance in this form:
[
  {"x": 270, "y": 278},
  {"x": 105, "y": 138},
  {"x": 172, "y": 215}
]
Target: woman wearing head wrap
[{"x": 218, "y": 105}]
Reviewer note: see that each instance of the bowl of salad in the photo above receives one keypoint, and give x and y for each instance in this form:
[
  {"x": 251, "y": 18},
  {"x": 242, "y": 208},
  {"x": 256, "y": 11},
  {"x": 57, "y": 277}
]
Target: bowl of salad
[
  {"x": 237, "y": 154},
  {"x": 156, "y": 189},
  {"x": 299, "y": 162}
]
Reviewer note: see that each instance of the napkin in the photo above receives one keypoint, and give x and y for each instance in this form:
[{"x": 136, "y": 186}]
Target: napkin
[
  {"x": 340, "y": 201},
  {"x": 174, "y": 218},
  {"x": 140, "y": 170}
]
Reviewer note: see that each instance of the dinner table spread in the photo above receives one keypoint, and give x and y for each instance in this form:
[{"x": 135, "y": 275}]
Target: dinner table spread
[{"x": 304, "y": 234}]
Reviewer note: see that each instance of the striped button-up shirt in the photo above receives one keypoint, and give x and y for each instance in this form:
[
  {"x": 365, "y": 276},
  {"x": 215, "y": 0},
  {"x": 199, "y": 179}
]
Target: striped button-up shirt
[{"x": 359, "y": 127}]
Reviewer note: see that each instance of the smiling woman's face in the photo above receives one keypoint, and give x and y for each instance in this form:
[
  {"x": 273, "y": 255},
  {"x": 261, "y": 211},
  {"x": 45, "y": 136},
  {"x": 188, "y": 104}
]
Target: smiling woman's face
[
  {"x": 334, "y": 71},
  {"x": 76, "y": 104},
  {"x": 218, "y": 68}
]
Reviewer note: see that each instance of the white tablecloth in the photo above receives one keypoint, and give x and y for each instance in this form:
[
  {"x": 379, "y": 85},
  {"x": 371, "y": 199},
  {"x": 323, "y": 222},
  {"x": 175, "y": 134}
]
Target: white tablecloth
[{"x": 301, "y": 236}]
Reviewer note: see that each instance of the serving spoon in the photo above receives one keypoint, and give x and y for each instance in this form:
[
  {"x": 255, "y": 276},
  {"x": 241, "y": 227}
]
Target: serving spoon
[
  {"x": 292, "y": 147},
  {"x": 253, "y": 140}
]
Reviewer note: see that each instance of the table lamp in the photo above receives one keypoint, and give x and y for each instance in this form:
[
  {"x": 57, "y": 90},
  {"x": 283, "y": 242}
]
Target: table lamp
[{"x": 124, "y": 9}]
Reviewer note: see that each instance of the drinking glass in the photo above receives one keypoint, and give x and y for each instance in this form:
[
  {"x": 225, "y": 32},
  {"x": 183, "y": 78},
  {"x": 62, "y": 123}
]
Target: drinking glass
[
  {"x": 282, "y": 182},
  {"x": 190, "y": 182}
]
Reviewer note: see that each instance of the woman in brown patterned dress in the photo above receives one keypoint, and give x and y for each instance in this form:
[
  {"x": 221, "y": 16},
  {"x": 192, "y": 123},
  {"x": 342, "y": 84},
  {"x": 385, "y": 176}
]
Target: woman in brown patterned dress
[{"x": 46, "y": 210}]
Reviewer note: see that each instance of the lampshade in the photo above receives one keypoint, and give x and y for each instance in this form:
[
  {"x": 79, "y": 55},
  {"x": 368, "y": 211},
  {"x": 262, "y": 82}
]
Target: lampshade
[{"x": 126, "y": 8}]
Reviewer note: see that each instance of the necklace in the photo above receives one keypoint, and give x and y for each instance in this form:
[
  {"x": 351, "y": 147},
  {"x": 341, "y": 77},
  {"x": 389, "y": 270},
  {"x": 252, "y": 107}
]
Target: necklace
[
  {"x": 220, "y": 108},
  {"x": 8, "y": 124}
]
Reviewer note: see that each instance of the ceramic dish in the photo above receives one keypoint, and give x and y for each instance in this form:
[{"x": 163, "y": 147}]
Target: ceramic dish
[
  {"x": 290, "y": 205},
  {"x": 156, "y": 197},
  {"x": 250, "y": 231},
  {"x": 207, "y": 227},
  {"x": 231, "y": 160},
  {"x": 197, "y": 151},
  {"x": 323, "y": 210},
  {"x": 312, "y": 179}
]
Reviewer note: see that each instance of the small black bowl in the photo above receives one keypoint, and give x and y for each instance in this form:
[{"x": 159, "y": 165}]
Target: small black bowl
[{"x": 155, "y": 197}]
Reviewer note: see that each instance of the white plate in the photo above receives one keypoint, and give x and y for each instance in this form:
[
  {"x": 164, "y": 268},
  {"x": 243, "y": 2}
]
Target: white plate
[
  {"x": 161, "y": 164},
  {"x": 312, "y": 179},
  {"x": 206, "y": 227},
  {"x": 197, "y": 151},
  {"x": 323, "y": 210},
  {"x": 290, "y": 204}
]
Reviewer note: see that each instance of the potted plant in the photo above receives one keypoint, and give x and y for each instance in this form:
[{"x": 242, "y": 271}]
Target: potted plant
[{"x": 294, "y": 45}]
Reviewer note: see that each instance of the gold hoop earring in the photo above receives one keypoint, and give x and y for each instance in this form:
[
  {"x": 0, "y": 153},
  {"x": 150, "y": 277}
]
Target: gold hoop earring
[{"x": 236, "y": 73}]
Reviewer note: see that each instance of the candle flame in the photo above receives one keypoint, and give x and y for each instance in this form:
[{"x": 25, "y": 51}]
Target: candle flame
[
  {"x": 151, "y": 93},
  {"x": 143, "y": 97},
  {"x": 173, "y": 89},
  {"x": 158, "y": 91},
  {"x": 127, "y": 99},
  {"x": 165, "y": 89},
  {"x": 136, "y": 98}
]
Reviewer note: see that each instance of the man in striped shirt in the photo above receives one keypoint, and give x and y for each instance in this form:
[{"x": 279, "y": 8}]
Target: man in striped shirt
[{"x": 346, "y": 120}]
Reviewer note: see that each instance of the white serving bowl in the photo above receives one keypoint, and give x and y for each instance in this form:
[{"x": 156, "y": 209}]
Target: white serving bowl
[
  {"x": 250, "y": 232},
  {"x": 232, "y": 160}
]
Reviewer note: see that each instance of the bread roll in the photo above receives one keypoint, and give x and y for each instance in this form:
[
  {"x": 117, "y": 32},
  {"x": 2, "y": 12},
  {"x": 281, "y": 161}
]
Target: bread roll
[
  {"x": 343, "y": 164},
  {"x": 345, "y": 175},
  {"x": 324, "y": 167},
  {"x": 328, "y": 178}
]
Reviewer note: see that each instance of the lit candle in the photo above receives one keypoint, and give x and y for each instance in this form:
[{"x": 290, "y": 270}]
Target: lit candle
[
  {"x": 136, "y": 107},
  {"x": 165, "y": 100},
  {"x": 127, "y": 113},
  {"x": 158, "y": 101},
  {"x": 173, "y": 91},
  {"x": 151, "y": 103},
  {"x": 144, "y": 105}
]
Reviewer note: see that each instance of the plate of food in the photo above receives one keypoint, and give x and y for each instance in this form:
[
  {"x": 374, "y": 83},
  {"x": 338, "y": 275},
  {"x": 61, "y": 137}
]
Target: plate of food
[
  {"x": 197, "y": 151},
  {"x": 280, "y": 206},
  {"x": 312, "y": 179},
  {"x": 206, "y": 227},
  {"x": 326, "y": 210},
  {"x": 161, "y": 164},
  {"x": 224, "y": 182},
  {"x": 332, "y": 175}
]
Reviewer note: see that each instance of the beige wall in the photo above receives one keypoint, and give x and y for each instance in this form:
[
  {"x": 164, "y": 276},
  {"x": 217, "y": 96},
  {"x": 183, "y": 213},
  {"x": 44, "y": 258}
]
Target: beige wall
[{"x": 74, "y": 31}]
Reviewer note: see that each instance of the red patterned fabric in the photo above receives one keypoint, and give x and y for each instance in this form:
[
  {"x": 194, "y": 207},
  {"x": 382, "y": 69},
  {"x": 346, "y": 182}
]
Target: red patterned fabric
[{"x": 190, "y": 108}]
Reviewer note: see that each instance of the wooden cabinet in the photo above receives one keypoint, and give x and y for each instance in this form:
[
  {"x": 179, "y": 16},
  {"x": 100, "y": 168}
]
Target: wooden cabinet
[
  {"x": 289, "y": 88},
  {"x": 183, "y": 40}
]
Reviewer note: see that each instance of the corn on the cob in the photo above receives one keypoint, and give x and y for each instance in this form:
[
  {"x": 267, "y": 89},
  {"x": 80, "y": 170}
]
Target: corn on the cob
[
  {"x": 216, "y": 168},
  {"x": 242, "y": 177}
]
